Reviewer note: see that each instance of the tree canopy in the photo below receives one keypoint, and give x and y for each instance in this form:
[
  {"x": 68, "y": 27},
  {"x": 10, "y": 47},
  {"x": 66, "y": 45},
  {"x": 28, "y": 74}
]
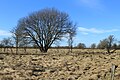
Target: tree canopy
[{"x": 46, "y": 26}]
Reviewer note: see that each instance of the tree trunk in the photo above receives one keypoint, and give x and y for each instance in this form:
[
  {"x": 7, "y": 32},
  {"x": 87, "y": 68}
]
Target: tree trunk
[
  {"x": 17, "y": 45},
  {"x": 43, "y": 49},
  {"x": 25, "y": 49},
  {"x": 108, "y": 50},
  {"x": 71, "y": 48}
]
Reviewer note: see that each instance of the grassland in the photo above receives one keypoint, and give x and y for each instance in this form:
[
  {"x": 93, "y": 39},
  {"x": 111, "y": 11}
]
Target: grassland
[{"x": 58, "y": 64}]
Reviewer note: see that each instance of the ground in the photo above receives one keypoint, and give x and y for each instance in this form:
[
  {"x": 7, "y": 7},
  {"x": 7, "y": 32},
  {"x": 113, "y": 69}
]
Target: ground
[{"x": 59, "y": 65}]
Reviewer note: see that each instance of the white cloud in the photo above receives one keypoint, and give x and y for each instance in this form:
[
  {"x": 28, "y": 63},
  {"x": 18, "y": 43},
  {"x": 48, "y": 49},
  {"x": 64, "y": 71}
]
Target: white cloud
[
  {"x": 94, "y": 30},
  {"x": 4, "y": 33},
  {"x": 85, "y": 33},
  {"x": 96, "y": 4}
]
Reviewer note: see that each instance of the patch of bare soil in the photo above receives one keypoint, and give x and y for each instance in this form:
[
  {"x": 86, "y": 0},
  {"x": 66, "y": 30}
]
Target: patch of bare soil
[{"x": 59, "y": 67}]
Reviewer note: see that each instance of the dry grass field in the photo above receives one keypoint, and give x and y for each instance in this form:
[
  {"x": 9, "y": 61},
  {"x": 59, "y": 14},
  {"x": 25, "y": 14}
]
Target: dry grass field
[{"x": 59, "y": 65}]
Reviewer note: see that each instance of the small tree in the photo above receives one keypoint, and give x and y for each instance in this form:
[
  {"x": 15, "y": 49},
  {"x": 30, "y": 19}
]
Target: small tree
[
  {"x": 93, "y": 46},
  {"x": 81, "y": 45},
  {"x": 71, "y": 34},
  {"x": 17, "y": 36},
  {"x": 103, "y": 44},
  {"x": 108, "y": 43},
  {"x": 21, "y": 39},
  {"x": 111, "y": 43},
  {"x": 7, "y": 43}
]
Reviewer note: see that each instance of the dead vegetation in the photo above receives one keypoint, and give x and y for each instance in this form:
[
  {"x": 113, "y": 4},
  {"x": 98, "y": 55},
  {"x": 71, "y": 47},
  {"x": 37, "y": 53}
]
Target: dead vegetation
[{"x": 59, "y": 65}]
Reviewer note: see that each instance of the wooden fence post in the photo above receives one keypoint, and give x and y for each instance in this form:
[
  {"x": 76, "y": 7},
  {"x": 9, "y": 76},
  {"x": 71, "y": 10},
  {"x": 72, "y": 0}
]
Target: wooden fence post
[{"x": 113, "y": 71}]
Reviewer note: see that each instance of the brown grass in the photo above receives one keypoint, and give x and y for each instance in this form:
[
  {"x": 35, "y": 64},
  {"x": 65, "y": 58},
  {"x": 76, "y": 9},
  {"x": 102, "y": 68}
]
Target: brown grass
[{"x": 82, "y": 64}]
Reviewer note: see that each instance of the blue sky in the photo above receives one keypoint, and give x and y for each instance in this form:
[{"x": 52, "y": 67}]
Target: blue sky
[{"x": 96, "y": 19}]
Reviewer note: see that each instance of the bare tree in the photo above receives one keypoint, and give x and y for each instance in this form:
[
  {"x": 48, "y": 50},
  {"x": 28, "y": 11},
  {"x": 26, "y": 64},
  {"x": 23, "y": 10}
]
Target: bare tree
[
  {"x": 111, "y": 43},
  {"x": 81, "y": 46},
  {"x": 7, "y": 43},
  {"x": 93, "y": 46},
  {"x": 20, "y": 38},
  {"x": 46, "y": 26},
  {"x": 17, "y": 36},
  {"x": 71, "y": 34},
  {"x": 102, "y": 44},
  {"x": 108, "y": 43}
]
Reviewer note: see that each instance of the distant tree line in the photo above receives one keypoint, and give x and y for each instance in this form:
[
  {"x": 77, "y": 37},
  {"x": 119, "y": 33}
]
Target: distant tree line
[{"x": 109, "y": 43}]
